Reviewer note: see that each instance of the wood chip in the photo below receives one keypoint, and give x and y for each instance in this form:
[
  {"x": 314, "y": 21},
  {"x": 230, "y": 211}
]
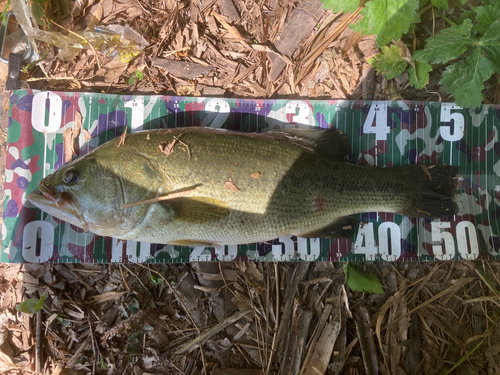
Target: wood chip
[
  {"x": 181, "y": 69},
  {"x": 121, "y": 140},
  {"x": 68, "y": 144},
  {"x": 255, "y": 174},
  {"x": 229, "y": 185}
]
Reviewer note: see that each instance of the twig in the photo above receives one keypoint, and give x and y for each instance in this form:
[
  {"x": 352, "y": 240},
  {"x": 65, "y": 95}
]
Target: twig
[
  {"x": 81, "y": 37},
  {"x": 38, "y": 349},
  {"x": 123, "y": 278},
  {"x": 174, "y": 194}
]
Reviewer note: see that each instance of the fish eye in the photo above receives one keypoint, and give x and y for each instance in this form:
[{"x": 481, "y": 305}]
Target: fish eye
[{"x": 70, "y": 176}]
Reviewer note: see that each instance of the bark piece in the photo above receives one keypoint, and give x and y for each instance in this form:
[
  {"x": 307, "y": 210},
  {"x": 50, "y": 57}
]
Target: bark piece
[
  {"x": 322, "y": 350},
  {"x": 181, "y": 69},
  {"x": 297, "y": 337},
  {"x": 299, "y": 274},
  {"x": 366, "y": 342},
  {"x": 300, "y": 25},
  {"x": 228, "y": 9}
]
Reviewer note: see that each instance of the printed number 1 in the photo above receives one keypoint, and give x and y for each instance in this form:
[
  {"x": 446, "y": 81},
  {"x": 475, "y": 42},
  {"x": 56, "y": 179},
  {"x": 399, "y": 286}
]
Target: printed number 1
[{"x": 377, "y": 113}]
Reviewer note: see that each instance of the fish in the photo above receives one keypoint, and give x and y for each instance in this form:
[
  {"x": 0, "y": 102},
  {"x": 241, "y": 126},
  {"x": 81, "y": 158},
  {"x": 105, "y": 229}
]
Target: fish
[{"x": 198, "y": 186}]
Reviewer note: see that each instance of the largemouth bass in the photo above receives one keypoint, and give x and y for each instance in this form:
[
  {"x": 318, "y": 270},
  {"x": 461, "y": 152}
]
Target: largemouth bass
[{"x": 203, "y": 186}]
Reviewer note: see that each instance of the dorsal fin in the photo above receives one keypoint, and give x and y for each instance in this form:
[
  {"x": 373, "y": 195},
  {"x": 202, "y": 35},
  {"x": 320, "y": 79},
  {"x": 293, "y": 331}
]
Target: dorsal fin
[{"x": 330, "y": 142}]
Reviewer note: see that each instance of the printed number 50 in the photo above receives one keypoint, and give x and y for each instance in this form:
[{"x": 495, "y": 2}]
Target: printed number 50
[{"x": 445, "y": 250}]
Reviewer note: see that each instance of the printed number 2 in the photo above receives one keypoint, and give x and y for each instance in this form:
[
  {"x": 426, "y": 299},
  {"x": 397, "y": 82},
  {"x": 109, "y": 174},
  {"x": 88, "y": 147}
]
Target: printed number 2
[
  {"x": 458, "y": 123},
  {"x": 377, "y": 113}
]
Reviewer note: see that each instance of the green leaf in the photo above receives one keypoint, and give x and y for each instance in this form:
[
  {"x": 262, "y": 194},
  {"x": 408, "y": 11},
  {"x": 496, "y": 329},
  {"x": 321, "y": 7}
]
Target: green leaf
[
  {"x": 337, "y": 6},
  {"x": 389, "y": 62},
  {"x": 138, "y": 74},
  {"x": 362, "y": 281},
  {"x": 443, "y": 4},
  {"x": 133, "y": 306},
  {"x": 490, "y": 44},
  {"x": 486, "y": 16},
  {"x": 156, "y": 280},
  {"x": 31, "y": 305},
  {"x": 465, "y": 79},
  {"x": 419, "y": 77},
  {"x": 131, "y": 80},
  {"x": 449, "y": 44},
  {"x": 388, "y": 19}
]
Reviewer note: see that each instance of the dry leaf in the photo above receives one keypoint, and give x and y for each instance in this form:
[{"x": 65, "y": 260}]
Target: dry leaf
[
  {"x": 87, "y": 135},
  {"x": 229, "y": 185}
]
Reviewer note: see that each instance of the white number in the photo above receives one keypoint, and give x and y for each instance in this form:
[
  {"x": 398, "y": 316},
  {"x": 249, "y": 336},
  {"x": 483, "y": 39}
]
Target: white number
[
  {"x": 445, "y": 250},
  {"x": 467, "y": 249},
  {"x": 116, "y": 251},
  {"x": 365, "y": 235},
  {"x": 225, "y": 253},
  {"x": 383, "y": 240},
  {"x": 30, "y": 241},
  {"x": 467, "y": 252},
  {"x": 488, "y": 235},
  {"x": 277, "y": 251},
  {"x": 377, "y": 112},
  {"x": 299, "y": 112},
  {"x": 458, "y": 124},
  {"x": 38, "y": 112},
  {"x": 137, "y": 106},
  {"x": 302, "y": 249},
  {"x": 198, "y": 252},
  {"x": 219, "y": 106},
  {"x": 137, "y": 254}
]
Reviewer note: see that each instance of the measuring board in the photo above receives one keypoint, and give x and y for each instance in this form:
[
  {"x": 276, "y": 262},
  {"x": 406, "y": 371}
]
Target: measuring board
[{"x": 382, "y": 134}]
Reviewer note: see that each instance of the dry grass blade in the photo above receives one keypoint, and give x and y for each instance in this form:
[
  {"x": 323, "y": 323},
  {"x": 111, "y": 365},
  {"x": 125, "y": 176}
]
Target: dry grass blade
[{"x": 204, "y": 337}]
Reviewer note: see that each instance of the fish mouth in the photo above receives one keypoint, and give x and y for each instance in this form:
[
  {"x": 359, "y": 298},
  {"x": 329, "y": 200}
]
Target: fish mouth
[{"x": 59, "y": 205}]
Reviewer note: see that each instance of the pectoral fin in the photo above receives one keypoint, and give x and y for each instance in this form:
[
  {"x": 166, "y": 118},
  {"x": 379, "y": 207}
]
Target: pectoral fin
[
  {"x": 340, "y": 228},
  {"x": 198, "y": 210}
]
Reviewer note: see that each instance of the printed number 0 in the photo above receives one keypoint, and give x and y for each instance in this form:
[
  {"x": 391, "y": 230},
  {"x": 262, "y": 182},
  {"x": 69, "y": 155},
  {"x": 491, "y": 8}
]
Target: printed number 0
[
  {"x": 458, "y": 123},
  {"x": 30, "y": 241},
  {"x": 39, "y": 109}
]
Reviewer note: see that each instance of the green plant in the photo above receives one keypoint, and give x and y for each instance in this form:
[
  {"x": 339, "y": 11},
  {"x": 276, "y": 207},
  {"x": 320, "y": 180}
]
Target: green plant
[
  {"x": 470, "y": 47},
  {"x": 138, "y": 75},
  {"x": 362, "y": 281},
  {"x": 31, "y": 305}
]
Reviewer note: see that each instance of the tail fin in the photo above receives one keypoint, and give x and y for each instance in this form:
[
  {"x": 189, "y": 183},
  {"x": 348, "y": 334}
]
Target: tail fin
[{"x": 434, "y": 192}]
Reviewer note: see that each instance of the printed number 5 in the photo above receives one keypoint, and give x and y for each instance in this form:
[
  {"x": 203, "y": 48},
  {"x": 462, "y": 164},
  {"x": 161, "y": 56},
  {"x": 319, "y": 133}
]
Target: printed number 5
[
  {"x": 458, "y": 123},
  {"x": 446, "y": 249}
]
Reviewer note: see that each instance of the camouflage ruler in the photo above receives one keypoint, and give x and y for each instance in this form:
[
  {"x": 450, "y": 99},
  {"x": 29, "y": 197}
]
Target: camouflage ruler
[{"x": 382, "y": 134}]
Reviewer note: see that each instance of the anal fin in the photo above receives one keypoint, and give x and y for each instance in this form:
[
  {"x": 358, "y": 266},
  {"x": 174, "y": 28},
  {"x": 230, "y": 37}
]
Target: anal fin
[{"x": 343, "y": 227}]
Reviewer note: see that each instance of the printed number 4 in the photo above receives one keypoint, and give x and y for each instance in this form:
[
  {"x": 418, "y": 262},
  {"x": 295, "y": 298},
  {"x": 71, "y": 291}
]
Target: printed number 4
[{"x": 376, "y": 121}]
